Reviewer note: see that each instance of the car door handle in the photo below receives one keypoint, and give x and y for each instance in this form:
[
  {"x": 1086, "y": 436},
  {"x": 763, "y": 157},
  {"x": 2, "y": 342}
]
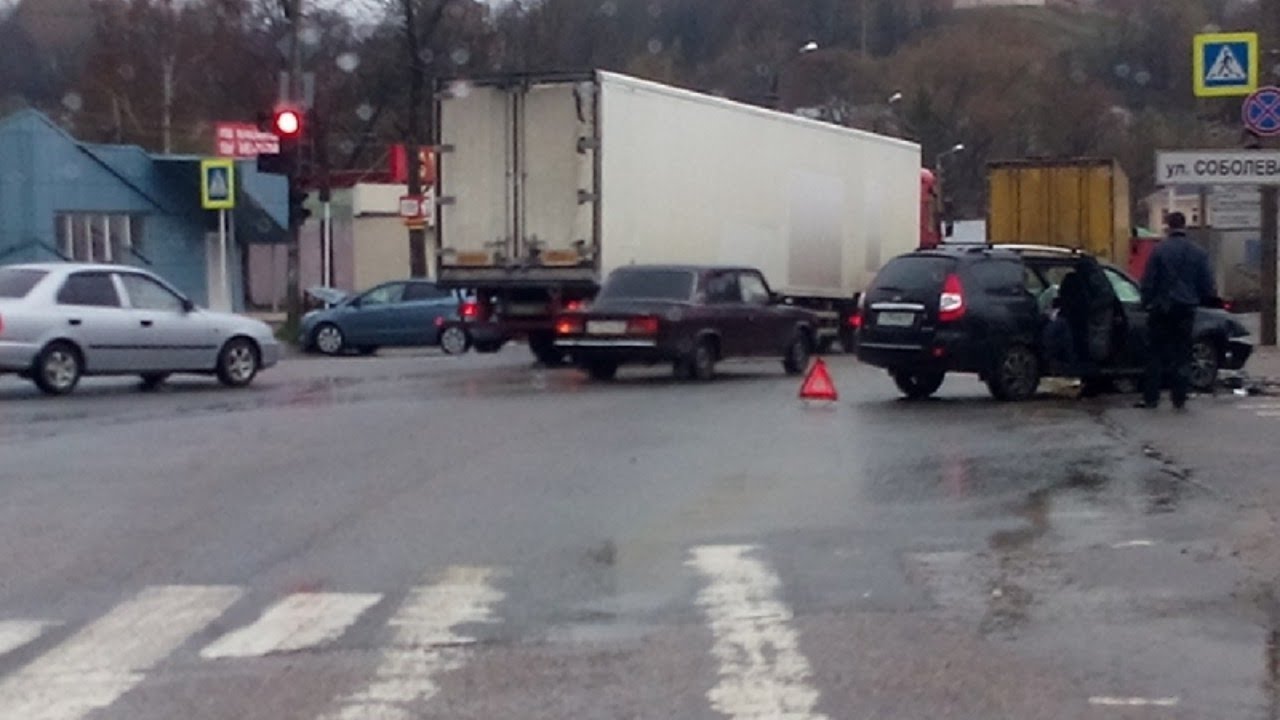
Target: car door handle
[
  {"x": 146, "y": 323},
  {"x": 73, "y": 321}
]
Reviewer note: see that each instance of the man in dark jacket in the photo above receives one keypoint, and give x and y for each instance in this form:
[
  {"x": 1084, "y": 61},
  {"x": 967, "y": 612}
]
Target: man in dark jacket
[{"x": 1177, "y": 281}]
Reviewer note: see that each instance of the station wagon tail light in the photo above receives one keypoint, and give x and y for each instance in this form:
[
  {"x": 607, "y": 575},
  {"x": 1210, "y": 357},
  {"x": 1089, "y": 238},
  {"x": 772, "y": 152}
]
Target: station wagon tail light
[
  {"x": 855, "y": 320},
  {"x": 470, "y": 310},
  {"x": 646, "y": 325},
  {"x": 569, "y": 326},
  {"x": 951, "y": 305}
]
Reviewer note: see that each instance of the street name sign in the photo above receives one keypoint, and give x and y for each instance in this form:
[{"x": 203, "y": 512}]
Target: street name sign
[{"x": 1218, "y": 167}]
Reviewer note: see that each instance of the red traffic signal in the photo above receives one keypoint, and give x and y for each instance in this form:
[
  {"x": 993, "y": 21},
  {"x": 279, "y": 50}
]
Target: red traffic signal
[{"x": 287, "y": 123}]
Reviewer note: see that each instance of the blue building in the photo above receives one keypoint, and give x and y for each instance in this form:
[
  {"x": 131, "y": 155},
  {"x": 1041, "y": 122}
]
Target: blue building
[{"x": 62, "y": 199}]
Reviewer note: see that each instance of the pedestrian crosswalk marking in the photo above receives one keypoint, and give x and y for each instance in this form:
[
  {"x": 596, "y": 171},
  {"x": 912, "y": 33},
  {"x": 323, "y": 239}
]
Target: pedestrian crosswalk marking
[
  {"x": 299, "y": 622},
  {"x": 17, "y": 633},
  {"x": 109, "y": 657},
  {"x": 763, "y": 674},
  {"x": 426, "y": 642}
]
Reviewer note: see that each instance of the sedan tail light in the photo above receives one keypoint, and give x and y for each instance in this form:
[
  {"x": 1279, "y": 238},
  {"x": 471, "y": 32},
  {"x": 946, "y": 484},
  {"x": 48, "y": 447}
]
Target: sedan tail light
[
  {"x": 647, "y": 325},
  {"x": 951, "y": 305},
  {"x": 569, "y": 325}
]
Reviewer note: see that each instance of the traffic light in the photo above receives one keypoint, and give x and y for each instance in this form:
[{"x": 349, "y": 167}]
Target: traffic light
[
  {"x": 298, "y": 212},
  {"x": 287, "y": 123}
]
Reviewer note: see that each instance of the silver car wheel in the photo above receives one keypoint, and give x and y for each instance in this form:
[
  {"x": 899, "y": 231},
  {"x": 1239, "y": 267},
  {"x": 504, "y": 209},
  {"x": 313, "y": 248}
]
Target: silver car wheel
[
  {"x": 241, "y": 363},
  {"x": 61, "y": 369},
  {"x": 329, "y": 339},
  {"x": 453, "y": 341}
]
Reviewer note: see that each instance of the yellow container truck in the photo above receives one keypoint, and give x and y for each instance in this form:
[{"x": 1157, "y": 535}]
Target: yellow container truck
[{"x": 1078, "y": 203}]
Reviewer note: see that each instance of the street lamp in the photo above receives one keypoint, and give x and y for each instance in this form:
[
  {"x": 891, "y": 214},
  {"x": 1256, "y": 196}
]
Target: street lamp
[
  {"x": 937, "y": 163},
  {"x": 942, "y": 186},
  {"x": 809, "y": 47}
]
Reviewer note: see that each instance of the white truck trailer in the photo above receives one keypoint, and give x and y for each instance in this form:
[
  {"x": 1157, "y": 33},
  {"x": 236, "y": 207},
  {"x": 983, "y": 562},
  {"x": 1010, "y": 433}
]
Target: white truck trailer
[{"x": 547, "y": 183}]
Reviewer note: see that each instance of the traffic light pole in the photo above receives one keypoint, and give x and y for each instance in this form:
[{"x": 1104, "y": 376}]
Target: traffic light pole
[
  {"x": 417, "y": 234},
  {"x": 293, "y": 299}
]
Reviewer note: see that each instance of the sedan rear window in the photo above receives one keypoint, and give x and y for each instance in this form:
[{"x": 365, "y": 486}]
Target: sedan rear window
[
  {"x": 914, "y": 272},
  {"x": 649, "y": 285},
  {"x": 15, "y": 283}
]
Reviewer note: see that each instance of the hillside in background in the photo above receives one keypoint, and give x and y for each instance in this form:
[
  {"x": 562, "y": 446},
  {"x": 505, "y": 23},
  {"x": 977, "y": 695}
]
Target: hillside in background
[{"x": 1107, "y": 78}]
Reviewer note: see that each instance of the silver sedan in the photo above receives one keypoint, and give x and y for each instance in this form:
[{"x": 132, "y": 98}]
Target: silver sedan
[{"x": 61, "y": 321}]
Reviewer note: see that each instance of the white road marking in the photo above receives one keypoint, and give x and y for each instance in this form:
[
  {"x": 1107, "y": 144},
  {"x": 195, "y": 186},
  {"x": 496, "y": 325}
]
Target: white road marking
[
  {"x": 108, "y": 658},
  {"x": 1262, "y": 406},
  {"x": 16, "y": 633},
  {"x": 762, "y": 671},
  {"x": 426, "y": 643},
  {"x": 1133, "y": 543},
  {"x": 1133, "y": 701},
  {"x": 298, "y": 622},
  {"x": 1269, "y": 413}
]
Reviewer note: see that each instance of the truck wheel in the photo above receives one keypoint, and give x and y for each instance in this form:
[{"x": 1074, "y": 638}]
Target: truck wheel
[
  {"x": 1016, "y": 374},
  {"x": 797, "y": 358},
  {"x": 917, "y": 385},
  {"x": 543, "y": 347},
  {"x": 602, "y": 370}
]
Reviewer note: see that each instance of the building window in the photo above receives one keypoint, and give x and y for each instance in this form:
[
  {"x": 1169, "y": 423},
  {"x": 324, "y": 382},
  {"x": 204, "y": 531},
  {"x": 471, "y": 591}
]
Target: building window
[{"x": 99, "y": 237}]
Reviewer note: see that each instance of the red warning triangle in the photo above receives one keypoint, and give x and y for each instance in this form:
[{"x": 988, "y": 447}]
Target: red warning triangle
[{"x": 817, "y": 384}]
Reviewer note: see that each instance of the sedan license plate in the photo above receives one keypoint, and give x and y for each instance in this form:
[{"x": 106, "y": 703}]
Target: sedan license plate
[
  {"x": 606, "y": 327},
  {"x": 896, "y": 319}
]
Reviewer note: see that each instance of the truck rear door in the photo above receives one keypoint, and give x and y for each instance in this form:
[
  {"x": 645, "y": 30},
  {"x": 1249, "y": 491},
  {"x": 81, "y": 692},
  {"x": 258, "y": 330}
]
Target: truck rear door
[
  {"x": 556, "y": 190},
  {"x": 518, "y": 175}
]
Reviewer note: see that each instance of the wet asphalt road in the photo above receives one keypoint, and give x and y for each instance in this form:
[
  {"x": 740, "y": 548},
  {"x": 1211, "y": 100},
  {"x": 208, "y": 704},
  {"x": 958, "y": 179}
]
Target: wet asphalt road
[{"x": 475, "y": 538}]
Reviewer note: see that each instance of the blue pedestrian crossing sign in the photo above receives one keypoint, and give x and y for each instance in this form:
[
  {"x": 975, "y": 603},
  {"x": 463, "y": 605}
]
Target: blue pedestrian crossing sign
[
  {"x": 1226, "y": 64},
  {"x": 218, "y": 184}
]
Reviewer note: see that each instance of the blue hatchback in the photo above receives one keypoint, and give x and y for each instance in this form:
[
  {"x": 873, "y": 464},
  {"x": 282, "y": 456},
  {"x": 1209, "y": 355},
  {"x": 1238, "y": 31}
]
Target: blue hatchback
[{"x": 403, "y": 313}]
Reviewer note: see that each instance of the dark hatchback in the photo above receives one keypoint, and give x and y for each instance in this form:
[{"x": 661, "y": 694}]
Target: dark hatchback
[
  {"x": 689, "y": 316},
  {"x": 987, "y": 310}
]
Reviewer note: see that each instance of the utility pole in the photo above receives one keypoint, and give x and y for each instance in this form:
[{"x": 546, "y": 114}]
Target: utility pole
[
  {"x": 293, "y": 295},
  {"x": 1270, "y": 197},
  {"x": 417, "y": 75}
]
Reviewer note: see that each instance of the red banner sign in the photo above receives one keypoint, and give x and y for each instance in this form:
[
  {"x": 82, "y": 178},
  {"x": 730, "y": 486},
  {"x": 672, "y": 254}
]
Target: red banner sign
[{"x": 243, "y": 140}]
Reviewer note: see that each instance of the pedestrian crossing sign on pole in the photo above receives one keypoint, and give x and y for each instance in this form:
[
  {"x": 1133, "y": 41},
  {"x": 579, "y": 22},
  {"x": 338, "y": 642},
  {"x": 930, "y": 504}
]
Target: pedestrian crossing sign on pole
[
  {"x": 218, "y": 184},
  {"x": 1226, "y": 64}
]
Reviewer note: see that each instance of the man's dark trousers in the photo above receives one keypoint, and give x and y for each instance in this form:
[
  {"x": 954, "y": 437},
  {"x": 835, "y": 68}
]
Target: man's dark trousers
[{"x": 1169, "y": 356}]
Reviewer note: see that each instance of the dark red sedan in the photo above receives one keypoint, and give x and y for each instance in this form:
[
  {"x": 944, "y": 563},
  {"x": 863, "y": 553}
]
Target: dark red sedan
[{"x": 690, "y": 316}]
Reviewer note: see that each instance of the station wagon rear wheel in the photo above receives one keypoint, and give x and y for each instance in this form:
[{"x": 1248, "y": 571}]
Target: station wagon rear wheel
[
  {"x": 57, "y": 368},
  {"x": 454, "y": 340}
]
